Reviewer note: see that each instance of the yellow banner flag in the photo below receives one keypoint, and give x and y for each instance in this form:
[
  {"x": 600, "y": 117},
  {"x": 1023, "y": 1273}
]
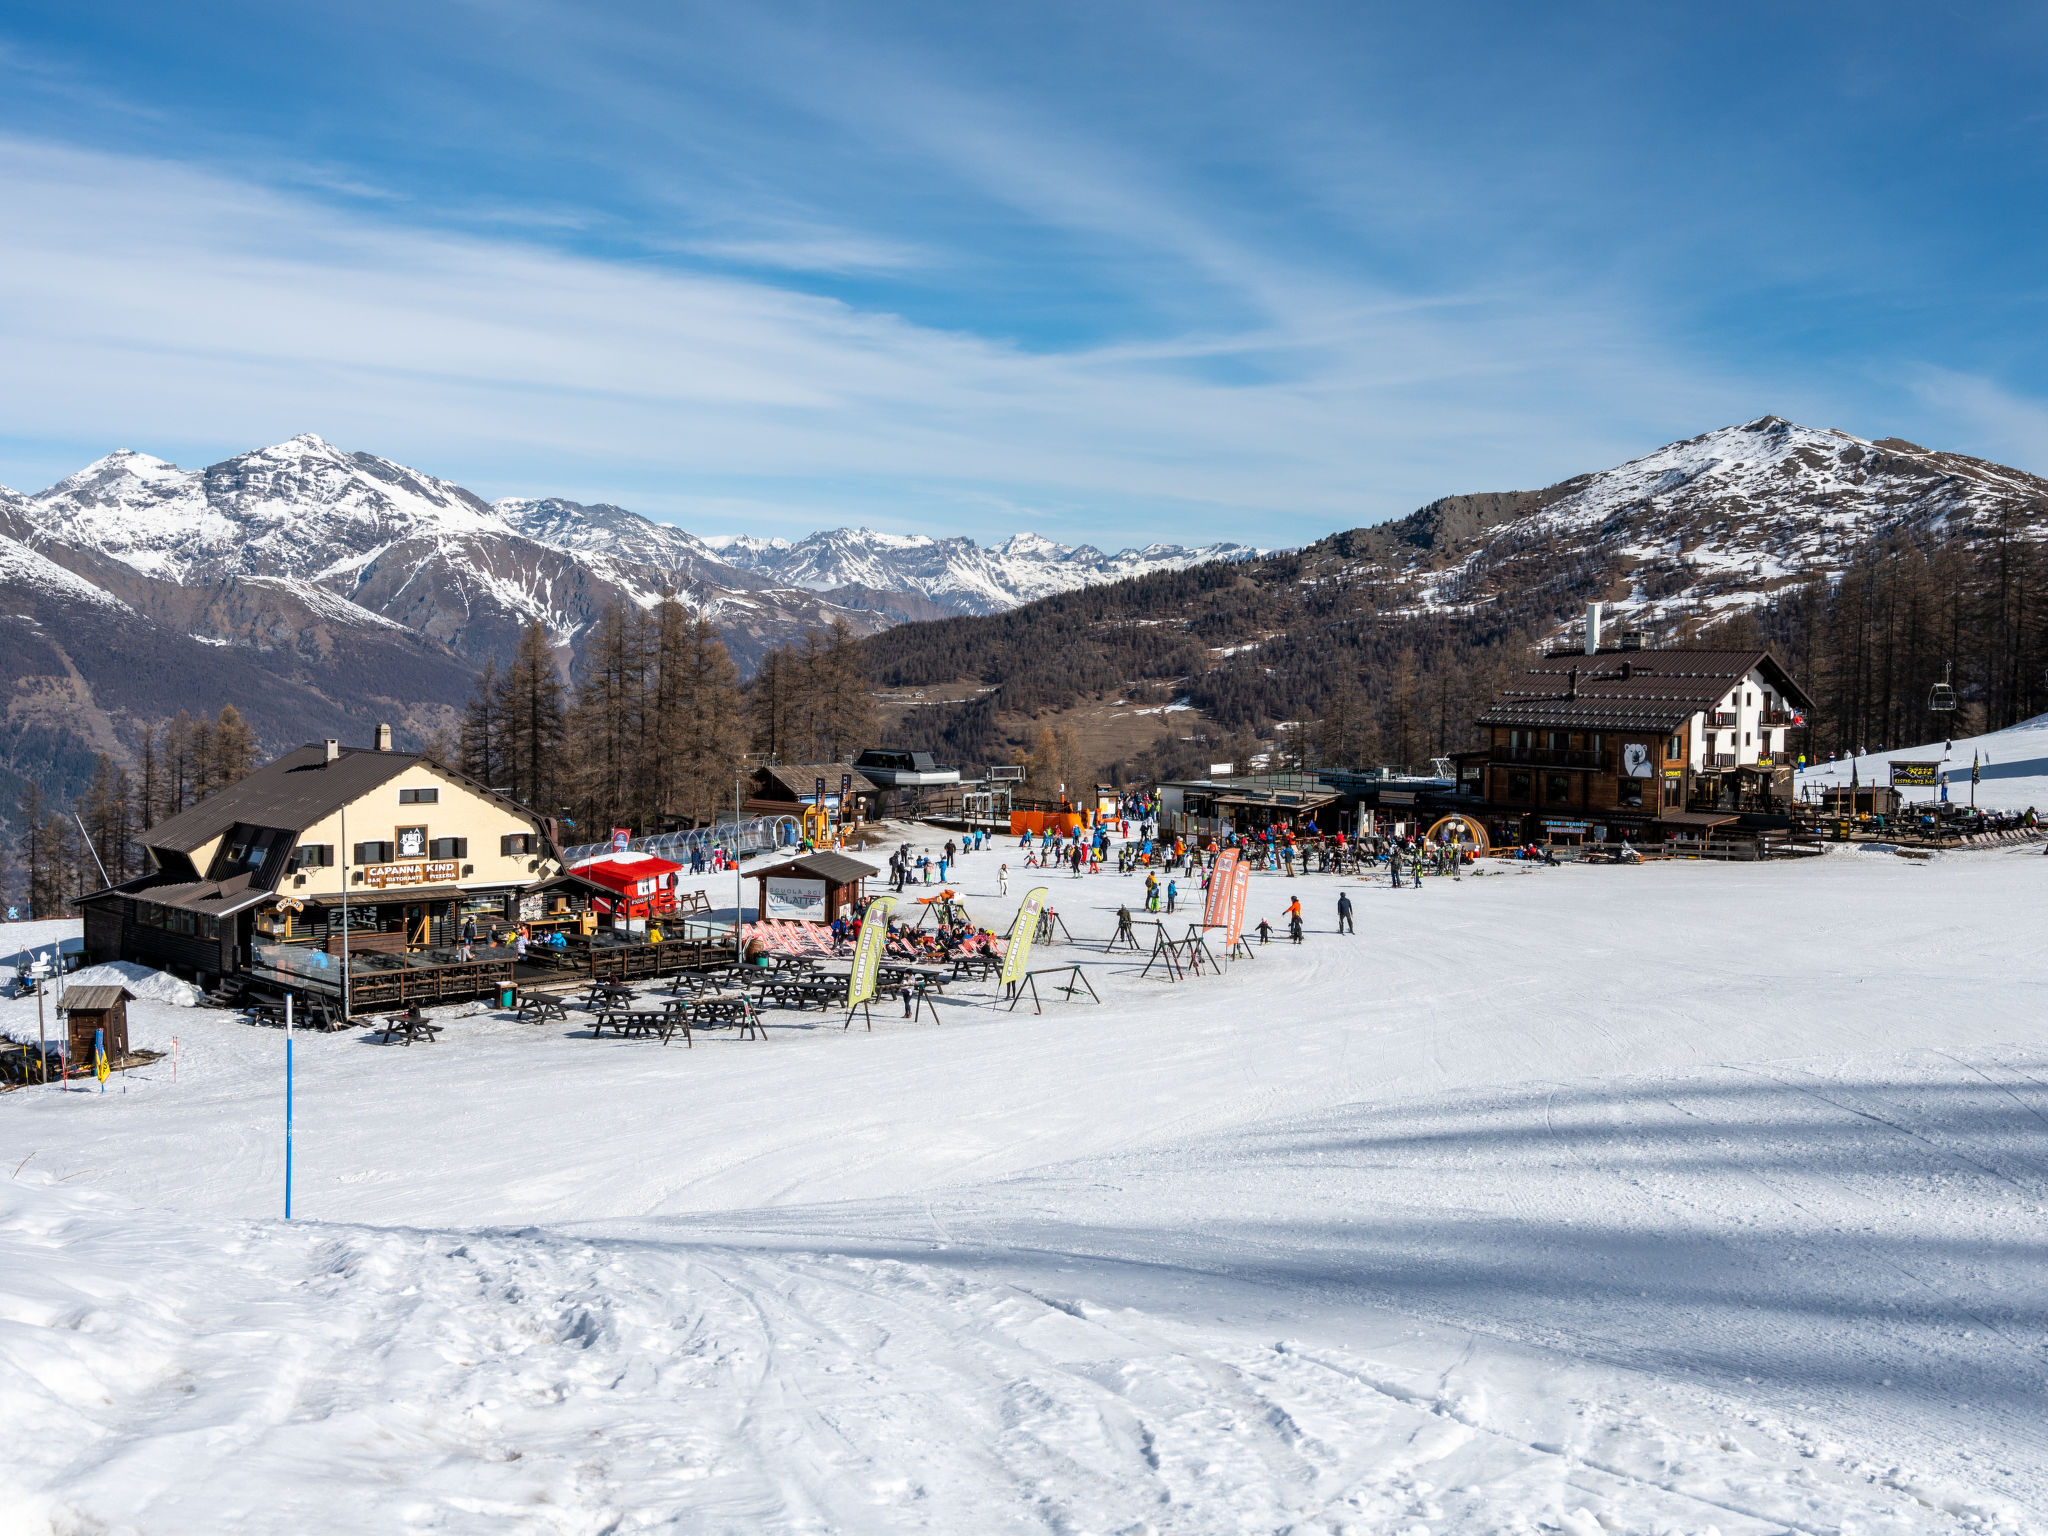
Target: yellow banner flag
[
  {"x": 1023, "y": 933},
  {"x": 99, "y": 1056},
  {"x": 867, "y": 953}
]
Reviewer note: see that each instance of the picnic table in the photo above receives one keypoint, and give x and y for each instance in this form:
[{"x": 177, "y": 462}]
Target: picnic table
[
  {"x": 626, "y": 1023},
  {"x": 978, "y": 965},
  {"x": 710, "y": 980},
  {"x": 606, "y": 994},
  {"x": 798, "y": 990},
  {"x": 539, "y": 1006},
  {"x": 718, "y": 1010},
  {"x": 411, "y": 1025}
]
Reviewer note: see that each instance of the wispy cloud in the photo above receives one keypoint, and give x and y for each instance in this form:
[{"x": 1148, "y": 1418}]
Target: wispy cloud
[
  {"x": 1986, "y": 418},
  {"x": 169, "y": 305}
]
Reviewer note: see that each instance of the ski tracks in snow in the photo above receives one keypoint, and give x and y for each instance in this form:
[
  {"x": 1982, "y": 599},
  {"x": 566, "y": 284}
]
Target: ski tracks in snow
[{"x": 326, "y": 1378}]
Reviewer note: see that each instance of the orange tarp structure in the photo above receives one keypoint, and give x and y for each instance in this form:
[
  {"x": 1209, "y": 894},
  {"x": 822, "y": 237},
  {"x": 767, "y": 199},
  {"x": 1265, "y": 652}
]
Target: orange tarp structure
[{"x": 1044, "y": 821}]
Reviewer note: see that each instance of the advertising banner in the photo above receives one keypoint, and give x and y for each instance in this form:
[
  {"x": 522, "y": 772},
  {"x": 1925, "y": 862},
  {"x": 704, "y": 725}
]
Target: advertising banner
[
  {"x": 803, "y": 900},
  {"x": 1915, "y": 775},
  {"x": 1023, "y": 934},
  {"x": 867, "y": 954},
  {"x": 622, "y": 839},
  {"x": 1240, "y": 897},
  {"x": 1217, "y": 904}
]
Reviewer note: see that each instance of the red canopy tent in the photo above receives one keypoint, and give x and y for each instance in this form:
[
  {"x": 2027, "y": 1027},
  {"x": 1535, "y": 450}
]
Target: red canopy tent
[{"x": 642, "y": 886}]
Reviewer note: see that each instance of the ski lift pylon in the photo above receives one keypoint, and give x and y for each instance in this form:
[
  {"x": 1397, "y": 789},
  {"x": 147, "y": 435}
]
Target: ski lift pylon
[{"x": 1943, "y": 698}]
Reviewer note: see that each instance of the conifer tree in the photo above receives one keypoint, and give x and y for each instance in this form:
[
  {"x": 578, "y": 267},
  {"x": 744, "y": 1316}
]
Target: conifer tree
[{"x": 531, "y": 712}]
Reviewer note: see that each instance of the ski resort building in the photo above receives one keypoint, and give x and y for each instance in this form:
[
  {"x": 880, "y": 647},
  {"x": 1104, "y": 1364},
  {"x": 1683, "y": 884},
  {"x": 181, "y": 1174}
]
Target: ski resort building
[
  {"x": 267, "y": 874},
  {"x": 1621, "y": 739},
  {"x": 816, "y": 794}
]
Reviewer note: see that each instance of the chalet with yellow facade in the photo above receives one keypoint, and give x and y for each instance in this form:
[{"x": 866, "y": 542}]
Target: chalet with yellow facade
[{"x": 395, "y": 851}]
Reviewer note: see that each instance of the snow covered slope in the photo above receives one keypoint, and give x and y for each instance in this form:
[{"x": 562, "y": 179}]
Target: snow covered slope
[
  {"x": 1493, "y": 1218},
  {"x": 2012, "y": 768}
]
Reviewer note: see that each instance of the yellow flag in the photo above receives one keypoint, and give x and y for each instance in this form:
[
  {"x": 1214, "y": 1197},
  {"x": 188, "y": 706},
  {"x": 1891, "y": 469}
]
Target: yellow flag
[
  {"x": 867, "y": 954},
  {"x": 1023, "y": 933},
  {"x": 99, "y": 1055}
]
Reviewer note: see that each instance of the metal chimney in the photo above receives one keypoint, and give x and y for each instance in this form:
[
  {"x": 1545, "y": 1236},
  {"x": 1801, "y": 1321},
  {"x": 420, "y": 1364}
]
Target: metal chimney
[
  {"x": 1593, "y": 613},
  {"x": 383, "y": 738},
  {"x": 333, "y": 749}
]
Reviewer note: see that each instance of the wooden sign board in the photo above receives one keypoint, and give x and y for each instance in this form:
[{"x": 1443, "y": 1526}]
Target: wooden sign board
[{"x": 384, "y": 876}]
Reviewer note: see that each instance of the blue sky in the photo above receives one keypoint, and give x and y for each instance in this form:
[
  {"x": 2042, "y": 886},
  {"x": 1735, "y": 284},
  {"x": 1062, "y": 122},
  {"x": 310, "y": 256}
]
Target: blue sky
[{"x": 1113, "y": 273}]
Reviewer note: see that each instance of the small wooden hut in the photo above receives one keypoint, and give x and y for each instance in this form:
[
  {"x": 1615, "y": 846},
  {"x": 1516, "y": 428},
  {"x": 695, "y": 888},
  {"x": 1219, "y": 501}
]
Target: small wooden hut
[
  {"x": 812, "y": 888},
  {"x": 88, "y": 1010}
]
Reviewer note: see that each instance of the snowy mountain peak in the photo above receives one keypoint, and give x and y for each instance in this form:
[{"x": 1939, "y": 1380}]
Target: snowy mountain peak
[
  {"x": 123, "y": 467},
  {"x": 1031, "y": 546},
  {"x": 1696, "y": 528}
]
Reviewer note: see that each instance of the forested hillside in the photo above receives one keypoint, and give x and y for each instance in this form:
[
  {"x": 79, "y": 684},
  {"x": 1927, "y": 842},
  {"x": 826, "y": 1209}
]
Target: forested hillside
[{"x": 1870, "y": 566}]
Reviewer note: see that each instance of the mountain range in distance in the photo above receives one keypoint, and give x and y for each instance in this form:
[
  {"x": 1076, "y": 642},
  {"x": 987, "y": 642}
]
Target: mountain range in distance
[{"x": 322, "y": 591}]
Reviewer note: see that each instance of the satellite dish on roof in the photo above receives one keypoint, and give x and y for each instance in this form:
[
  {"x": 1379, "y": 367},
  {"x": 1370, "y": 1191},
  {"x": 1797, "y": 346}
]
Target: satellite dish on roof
[{"x": 1943, "y": 698}]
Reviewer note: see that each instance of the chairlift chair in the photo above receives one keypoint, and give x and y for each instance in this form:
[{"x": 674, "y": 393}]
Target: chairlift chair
[{"x": 1943, "y": 698}]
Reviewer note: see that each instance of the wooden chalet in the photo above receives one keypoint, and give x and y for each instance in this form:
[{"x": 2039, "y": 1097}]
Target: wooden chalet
[
  {"x": 811, "y": 792},
  {"x": 326, "y": 851},
  {"x": 1628, "y": 741}
]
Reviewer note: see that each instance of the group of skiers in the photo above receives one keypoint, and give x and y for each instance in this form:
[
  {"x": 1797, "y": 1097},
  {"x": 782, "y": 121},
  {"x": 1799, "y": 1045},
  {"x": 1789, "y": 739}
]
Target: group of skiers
[{"x": 906, "y": 869}]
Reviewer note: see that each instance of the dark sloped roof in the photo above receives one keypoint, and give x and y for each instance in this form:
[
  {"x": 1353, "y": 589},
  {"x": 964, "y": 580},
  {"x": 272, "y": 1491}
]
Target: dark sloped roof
[
  {"x": 834, "y": 867},
  {"x": 93, "y": 999},
  {"x": 1632, "y": 690},
  {"x": 210, "y": 898},
  {"x": 802, "y": 778},
  {"x": 291, "y": 792},
  {"x": 295, "y": 791}
]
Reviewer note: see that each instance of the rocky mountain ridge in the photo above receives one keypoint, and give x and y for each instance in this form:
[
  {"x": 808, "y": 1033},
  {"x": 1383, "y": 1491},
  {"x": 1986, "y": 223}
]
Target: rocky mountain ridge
[
  {"x": 369, "y": 590},
  {"x": 957, "y": 572},
  {"x": 1696, "y": 530}
]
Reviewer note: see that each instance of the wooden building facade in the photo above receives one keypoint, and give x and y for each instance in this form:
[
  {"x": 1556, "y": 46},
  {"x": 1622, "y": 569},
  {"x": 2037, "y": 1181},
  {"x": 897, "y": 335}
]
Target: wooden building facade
[{"x": 1624, "y": 738}]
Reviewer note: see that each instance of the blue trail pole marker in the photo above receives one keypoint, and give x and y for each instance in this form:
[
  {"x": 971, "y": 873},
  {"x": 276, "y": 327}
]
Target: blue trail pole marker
[{"x": 287, "y": 1106}]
